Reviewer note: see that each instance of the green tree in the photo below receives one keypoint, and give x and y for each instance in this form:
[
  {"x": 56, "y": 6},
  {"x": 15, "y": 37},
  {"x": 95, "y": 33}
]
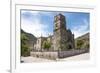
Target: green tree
[
  {"x": 46, "y": 45},
  {"x": 25, "y": 51},
  {"x": 80, "y": 44},
  {"x": 87, "y": 45}
]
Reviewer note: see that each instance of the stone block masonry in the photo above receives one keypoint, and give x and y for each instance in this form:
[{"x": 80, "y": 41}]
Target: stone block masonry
[{"x": 58, "y": 55}]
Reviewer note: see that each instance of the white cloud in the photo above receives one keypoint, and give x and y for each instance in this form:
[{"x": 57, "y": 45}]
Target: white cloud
[
  {"x": 34, "y": 27},
  {"x": 80, "y": 29},
  {"x": 30, "y": 22},
  {"x": 32, "y": 12}
]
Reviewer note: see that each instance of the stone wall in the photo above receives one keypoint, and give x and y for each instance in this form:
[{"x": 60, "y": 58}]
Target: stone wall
[
  {"x": 63, "y": 54},
  {"x": 47, "y": 55},
  {"x": 60, "y": 54}
]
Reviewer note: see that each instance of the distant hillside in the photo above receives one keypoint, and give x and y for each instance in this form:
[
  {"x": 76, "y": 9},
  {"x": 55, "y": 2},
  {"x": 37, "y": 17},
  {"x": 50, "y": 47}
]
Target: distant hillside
[
  {"x": 31, "y": 38},
  {"x": 27, "y": 41},
  {"x": 82, "y": 41},
  {"x": 85, "y": 36}
]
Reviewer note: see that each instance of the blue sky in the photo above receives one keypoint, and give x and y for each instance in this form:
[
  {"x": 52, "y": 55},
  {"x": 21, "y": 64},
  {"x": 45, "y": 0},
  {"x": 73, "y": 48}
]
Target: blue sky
[{"x": 42, "y": 22}]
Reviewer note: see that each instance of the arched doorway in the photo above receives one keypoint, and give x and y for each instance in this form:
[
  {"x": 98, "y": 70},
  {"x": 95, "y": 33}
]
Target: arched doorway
[{"x": 69, "y": 46}]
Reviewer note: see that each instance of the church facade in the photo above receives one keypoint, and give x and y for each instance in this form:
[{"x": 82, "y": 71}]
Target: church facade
[{"x": 61, "y": 40}]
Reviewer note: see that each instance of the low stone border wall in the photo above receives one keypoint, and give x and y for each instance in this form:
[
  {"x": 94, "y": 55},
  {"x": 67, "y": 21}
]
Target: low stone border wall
[
  {"x": 63, "y": 54},
  {"x": 48, "y": 55},
  {"x": 60, "y": 54}
]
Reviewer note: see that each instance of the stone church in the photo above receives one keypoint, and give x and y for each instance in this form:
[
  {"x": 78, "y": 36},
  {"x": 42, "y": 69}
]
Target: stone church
[{"x": 62, "y": 38}]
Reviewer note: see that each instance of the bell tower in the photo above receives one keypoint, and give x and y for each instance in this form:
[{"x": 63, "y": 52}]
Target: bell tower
[
  {"x": 59, "y": 22},
  {"x": 60, "y": 34}
]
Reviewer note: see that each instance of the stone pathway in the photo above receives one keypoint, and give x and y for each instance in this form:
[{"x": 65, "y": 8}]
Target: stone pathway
[
  {"x": 31, "y": 59},
  {"x": 34, "y": 59}
]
